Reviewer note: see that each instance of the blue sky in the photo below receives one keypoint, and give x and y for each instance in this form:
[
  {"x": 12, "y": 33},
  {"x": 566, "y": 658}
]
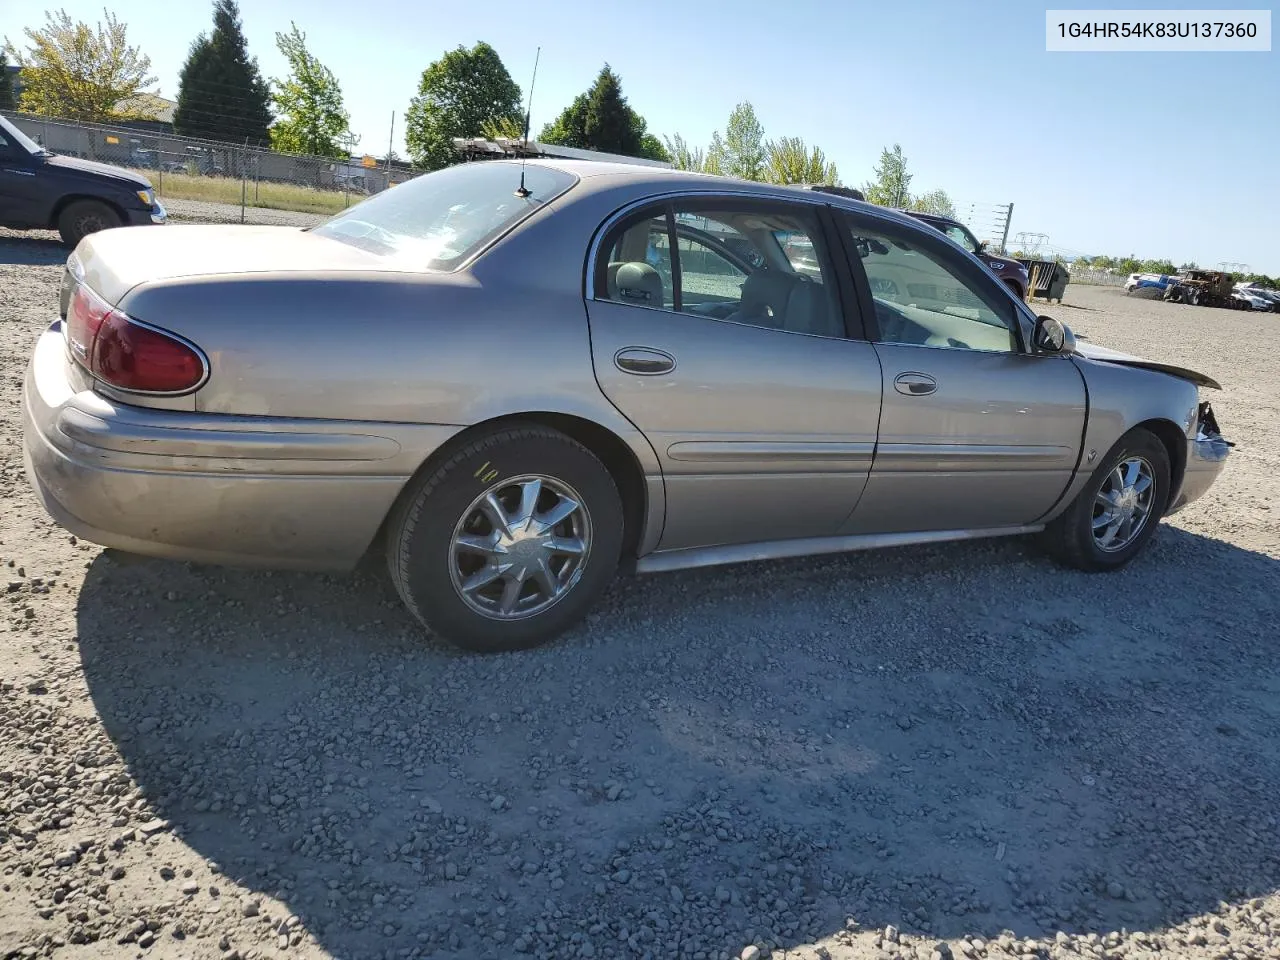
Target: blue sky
[{"x": 1158, "y": 154}]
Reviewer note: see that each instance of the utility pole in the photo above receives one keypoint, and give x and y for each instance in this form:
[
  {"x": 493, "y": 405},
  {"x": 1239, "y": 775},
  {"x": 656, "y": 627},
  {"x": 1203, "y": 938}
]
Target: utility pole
[{"x": 391, "y": 139}]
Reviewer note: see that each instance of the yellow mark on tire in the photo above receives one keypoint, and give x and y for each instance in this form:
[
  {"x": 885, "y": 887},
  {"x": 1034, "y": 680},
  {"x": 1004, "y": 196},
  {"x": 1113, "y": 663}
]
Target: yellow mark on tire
[{"x": 484, "y": 476}]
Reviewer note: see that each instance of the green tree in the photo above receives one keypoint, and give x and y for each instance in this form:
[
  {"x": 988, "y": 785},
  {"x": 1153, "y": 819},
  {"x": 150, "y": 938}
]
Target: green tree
[
  {"x": 607, "y": 123},
  {"x": 503, "y": 128},
  {"x": 78, "y": 72},
  {"x": 458, "y": 95},
  {"x": 717, "y": 161},
  {"x": 221, "y": 93},
  {"x": 312, "y": 118},
  {"x": 601, "y": 119},
  {"x": 743, "y": 149},
  {"x": 683, "y": 156},
  {"x": 790, "y": 160},
  {"x": 891, "y": 187},
  {"x": 935, "y": 201},
  {"x": 6, "y": 83}
]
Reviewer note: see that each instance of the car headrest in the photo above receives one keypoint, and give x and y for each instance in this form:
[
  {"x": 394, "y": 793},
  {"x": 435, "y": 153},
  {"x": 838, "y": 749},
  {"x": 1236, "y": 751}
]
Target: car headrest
[
  {"x": 767, "y": 288},
  {"x": 640, "y": 284}
]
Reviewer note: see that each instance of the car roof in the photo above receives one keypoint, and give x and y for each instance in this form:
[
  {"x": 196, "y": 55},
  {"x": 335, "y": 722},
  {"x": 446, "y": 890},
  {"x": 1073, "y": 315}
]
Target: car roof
[{"x": 606, "y": 174}]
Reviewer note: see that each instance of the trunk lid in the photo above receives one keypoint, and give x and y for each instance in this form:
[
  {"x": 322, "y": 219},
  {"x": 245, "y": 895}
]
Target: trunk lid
[{"x": 115, "y": 261}]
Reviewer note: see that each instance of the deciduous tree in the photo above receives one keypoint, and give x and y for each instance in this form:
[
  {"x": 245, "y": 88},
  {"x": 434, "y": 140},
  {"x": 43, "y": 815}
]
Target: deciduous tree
[
  {"x": 466, "y": 93},
  {"x": 790, "y": 160},
  {"x": 84, "y": 73},
  {"x": 892, "y": 184},
  {"x": 312, "y": 118}
]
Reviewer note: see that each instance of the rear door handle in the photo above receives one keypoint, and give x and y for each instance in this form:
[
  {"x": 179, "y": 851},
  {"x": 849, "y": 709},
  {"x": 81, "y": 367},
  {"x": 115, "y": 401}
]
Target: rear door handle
[
  {"x": 914, "y": 384},
  {"x": 644, "y": 361}
]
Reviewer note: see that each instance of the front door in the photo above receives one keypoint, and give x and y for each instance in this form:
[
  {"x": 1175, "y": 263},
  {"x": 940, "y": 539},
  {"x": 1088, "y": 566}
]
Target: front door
[
  {"x": 19, "y": 189},
  {"x": 717, "y": 328},
  {"x": 975, "y": 431}
]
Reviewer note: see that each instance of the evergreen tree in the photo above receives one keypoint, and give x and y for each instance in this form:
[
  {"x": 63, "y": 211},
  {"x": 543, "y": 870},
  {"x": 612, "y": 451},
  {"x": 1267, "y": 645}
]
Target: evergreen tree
[
  {"x": 601, "y": 119},
  {"x": 6, "y": 84},
  {"x": 221, "y": 93}
]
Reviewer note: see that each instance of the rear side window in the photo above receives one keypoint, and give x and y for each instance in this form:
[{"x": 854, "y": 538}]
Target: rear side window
[
  {"x": 758, "y": 263},
  {"x": 438, "y": 220}
]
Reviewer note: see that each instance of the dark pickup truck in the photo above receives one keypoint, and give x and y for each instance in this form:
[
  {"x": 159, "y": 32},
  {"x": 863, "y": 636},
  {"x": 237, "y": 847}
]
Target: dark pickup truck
[
  {"x": 1013, "y": 273},
  {"x": 40, "y": 190}
]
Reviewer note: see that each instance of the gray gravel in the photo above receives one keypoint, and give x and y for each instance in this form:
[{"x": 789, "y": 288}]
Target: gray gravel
[{"x": 955, "y": 752}]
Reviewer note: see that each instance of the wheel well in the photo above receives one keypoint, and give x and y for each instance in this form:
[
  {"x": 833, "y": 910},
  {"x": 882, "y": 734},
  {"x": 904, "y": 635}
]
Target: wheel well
[
  {"x": 1014, "y": 286},
  {"x": 603, "y": 442},
  {"x": 64, "y": 202},
  {"x": 1175, "y": 442}
]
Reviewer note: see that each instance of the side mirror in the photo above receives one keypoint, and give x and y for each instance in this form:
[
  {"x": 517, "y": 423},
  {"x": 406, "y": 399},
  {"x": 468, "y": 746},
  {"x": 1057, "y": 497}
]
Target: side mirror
[
  {"x": 982, "y": 246},
  {"x": 1051, "y": 336}
]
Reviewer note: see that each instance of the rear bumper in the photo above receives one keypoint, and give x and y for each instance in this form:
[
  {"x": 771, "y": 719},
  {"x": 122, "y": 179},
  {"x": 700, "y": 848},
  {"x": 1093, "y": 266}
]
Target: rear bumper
[{"x": 258, "y": 491}]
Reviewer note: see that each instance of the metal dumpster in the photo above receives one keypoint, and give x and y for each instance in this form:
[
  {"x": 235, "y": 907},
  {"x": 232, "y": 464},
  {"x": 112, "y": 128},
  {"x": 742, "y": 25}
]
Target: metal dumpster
[{"x": 1046, "y": 279}]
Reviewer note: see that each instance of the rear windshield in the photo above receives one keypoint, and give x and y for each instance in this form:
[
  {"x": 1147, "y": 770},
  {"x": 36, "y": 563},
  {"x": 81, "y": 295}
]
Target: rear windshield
[{"x": 438, "y": 220}]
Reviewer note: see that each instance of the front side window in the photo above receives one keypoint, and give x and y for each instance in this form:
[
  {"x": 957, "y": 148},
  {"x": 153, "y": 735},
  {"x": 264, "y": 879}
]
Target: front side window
[
  {"x": 438, "y": 220},
  {"x": 764, "y": 265},
  {"x": 961, "y": 236},
  {"x": 921, "y": 300}
]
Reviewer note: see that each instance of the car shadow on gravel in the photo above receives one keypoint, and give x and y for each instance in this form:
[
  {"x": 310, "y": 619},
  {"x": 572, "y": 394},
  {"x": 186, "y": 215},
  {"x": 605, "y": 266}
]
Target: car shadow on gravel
[
  {"x": 32, "y": 251},
  {"x": 954, "y": 740}
]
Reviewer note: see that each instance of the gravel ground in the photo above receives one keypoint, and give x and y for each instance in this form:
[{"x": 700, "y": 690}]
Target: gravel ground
[
  {"x": 201, "y": 211},
  {"x": 943, "y": 753}
]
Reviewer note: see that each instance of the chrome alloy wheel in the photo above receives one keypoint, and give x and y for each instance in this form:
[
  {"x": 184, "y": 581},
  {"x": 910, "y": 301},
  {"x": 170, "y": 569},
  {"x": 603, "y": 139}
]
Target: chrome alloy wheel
[
  {"x": 520, "y": 547},
  {"x": 1123, "y": 504}
]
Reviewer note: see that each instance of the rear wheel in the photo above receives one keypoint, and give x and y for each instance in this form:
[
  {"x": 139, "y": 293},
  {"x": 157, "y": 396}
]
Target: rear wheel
[
  {"x": 84, "y": 217},
  {"x": 1117, "y": 512},
  {"x": 510, "y": 542}
]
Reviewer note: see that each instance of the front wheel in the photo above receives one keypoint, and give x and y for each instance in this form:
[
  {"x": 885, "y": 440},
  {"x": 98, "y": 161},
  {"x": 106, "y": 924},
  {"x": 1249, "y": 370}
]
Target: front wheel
[
  {"x": 84, "y": 217},
  {"x": 508, "y": 543},
  {"x": 1116, "y": 514}
]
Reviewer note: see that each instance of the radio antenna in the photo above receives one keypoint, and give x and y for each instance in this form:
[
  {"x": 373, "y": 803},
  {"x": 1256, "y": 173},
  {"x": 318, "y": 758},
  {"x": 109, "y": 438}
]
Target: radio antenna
[{"x": 522, "y": 191}]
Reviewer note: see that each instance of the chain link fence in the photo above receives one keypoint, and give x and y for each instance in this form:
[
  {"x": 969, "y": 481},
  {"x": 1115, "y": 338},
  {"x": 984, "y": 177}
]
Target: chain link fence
[
  {"x": 213, "y": 181},
  {"x": 1104, "y": 278}
]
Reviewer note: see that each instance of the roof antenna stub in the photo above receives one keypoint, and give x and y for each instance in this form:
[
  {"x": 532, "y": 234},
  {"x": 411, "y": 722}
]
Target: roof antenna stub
[{"x": 522, "y": 191}]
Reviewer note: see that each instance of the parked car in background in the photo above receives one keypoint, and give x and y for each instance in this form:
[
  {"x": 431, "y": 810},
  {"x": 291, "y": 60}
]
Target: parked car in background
[
  {"x": 480, "y": 375},
  {"x": 1149, "y": 286},
  {"x": 1013, "y": 274},
  {"x": 1255, "y": 299},
  {"x": 40, "y": 190}
]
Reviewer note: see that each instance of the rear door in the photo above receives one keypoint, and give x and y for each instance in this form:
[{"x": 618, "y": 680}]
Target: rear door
[
  {"x": 975, "y": 432},
  {"x": 734, "y": 360}
]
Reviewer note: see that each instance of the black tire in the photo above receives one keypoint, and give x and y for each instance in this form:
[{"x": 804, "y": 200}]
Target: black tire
[
  {"x": 421, "y": 530},
  {"x": 1069, "y": 537},
  {"x": 84, "y": 217}
]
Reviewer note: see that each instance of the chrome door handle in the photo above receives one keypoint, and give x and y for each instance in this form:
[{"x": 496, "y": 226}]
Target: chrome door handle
[
  {"x": 914, "y": 384},
  {"x": 644, "y": 361}
]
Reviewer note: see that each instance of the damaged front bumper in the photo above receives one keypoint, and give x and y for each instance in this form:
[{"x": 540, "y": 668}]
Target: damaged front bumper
[{"x": 1207, "y": 453}]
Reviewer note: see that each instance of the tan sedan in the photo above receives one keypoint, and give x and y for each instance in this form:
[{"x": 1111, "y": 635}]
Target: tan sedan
[{"x": 516, "y": 381}]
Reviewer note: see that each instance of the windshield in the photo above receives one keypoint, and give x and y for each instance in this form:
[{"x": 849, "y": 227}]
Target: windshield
[
  {"x": 438, "y": 220},
  {"x": 14, "y": 135}
]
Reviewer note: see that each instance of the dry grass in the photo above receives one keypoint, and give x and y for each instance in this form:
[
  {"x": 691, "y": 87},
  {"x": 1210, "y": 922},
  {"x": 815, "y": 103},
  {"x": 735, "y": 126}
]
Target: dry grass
[{"x": 272, "y": 196}]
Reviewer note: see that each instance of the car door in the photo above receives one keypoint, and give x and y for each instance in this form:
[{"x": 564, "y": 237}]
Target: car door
[
  {"x": 736, "y": 365},
  {"x": 19, "y": 189},
  {"x": 975, "y": 431}
]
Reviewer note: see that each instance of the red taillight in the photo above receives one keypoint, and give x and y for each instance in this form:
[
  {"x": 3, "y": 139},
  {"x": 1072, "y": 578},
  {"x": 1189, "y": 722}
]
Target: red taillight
[{"x": 125, "y": 354}]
